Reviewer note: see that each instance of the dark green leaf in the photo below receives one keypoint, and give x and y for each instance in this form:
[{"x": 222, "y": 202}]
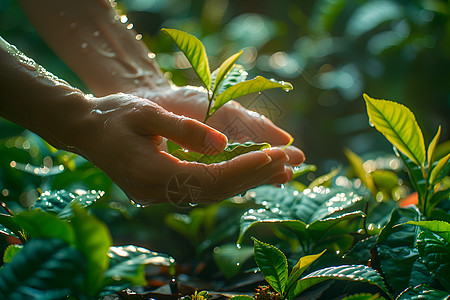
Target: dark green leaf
[
  {"x": 398, "y": 124},
  {"x": 247, "y": 87},
  {"x": 415, "y": 175},
  {"x": 357, "y": 273},
  {"x": 361, "y": 250},
  {"x": 422, "y": 292},
  {"x": 10, "y": 252},
  {"x": 93, "y": 240},
  {"x": 273, "y": 265},
  {"x": 194, "y": 51},
  {"x": 11, "y": 227},
  {"x": 436, "y": 198},
  {"x": 40, "y": 224},
  {"x": 435, "y": 254},
  {"x": 230, "y": 152},
  {"x": 43, "y": 269}
]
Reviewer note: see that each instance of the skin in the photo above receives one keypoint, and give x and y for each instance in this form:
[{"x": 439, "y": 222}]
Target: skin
[{"x": 122, "y": 128}]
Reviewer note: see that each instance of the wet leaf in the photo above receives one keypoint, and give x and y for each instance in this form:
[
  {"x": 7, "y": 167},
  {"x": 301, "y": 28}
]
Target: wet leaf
[
  {"x": 439, "y": 227},
  {"x": 43, "y": 269},
  {"x": 358, "y": 273},
  {"x": 10, "y": 252},
  {"x": 303, "y": 169},
  {"x": 194, "y": 51},
  {"x": 171, "y": 146},
  {"x": 423, "y": 292},
  {"x": 273, "y": 265},
  {"x": 398, "y": 124},
  {"x": 247, "y": 87},
  {"x": 230, "y": 152},
  {"x": 325, "y": 180},
  {"x": 435, "y": 254}
]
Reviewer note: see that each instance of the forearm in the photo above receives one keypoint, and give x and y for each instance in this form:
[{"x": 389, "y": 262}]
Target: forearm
[
  {"x": 38, "y": 100},
  {"x": 98, "y": 47}
]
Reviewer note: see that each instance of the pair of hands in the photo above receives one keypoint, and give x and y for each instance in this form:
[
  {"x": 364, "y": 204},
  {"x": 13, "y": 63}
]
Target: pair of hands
[{"x": 126, "y": 134}]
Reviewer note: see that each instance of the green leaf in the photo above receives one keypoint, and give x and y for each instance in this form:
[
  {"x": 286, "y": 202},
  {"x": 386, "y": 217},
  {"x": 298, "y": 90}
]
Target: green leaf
[
  {"x": 439, "y": 227},
  {"x": 11, "y": 227},
  {"x": 440, "y": 171},
  {"x": 357, "y": 165},
  {"x": 229, "y": 258},
  {"x": 43, "y": 269},
  {"x": 223, "y": 70},
  {"x": 398, "y": 124},
  {"x": 40, "y": 224},
  {"x": 435, "y": 253},
  {"x": 358, "y": 273},
  {"x": 303, "y": 169},
  {"x": 171, "y": 146},
  {"x": 236, "y": 75},
  {"x": 93, "y": 240},
  {"x": 247, "y": 87},
  {"x": 230, "y": 152},
  {"x": 273, "y": 265},
  {"x": 436, "y": 198},
  {"x": 127, "y": 264},
  {"x": 432, "y": 147},
  {"x": 364, "y": 296},
  {"x": 423, "y": 292},
  {"x": 194, "y": 51},
  {"x": 415, "y": 175},
  {"x": 300, "y": 267},
  {"x": 60, "y": 201},
  {"x": 10, "y": 252},
  {"x": 242, "y": 297}
]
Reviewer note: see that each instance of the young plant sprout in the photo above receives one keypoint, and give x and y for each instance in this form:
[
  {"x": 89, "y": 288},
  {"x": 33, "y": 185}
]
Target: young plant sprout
[{"x": 224, "y": 84}]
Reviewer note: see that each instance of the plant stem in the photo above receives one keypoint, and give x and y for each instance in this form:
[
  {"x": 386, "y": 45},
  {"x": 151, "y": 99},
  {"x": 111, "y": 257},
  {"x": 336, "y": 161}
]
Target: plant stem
[{"x": 209, "y": 106}]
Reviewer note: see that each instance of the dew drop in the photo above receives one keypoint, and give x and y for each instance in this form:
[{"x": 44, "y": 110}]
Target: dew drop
[
  {"x": 371, "y": 124},
  {"x": 123, "y": 18},
  {"x": 151, "y": 55},
  {"x": 238, "y": 264},
  {"x": 73, "y": 26},
  {"x": 84, "y": 45},
  {"x": 138, "y": 36},
  {"x": 96, "y": 33},
  {"x": 130, "y": 26},
  {"x": 193, "y": 204},
  {"x": 238, "y": 246}
]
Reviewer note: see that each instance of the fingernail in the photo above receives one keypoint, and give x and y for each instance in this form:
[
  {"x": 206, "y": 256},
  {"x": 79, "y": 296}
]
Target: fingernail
[{"x": 215, "y": 141}]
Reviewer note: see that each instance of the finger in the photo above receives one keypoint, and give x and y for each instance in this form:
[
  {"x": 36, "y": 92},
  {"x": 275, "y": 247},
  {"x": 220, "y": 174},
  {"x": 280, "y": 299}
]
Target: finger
[
  {"x": 296, "y": 156},
  {"x": 186, "y": 132}
]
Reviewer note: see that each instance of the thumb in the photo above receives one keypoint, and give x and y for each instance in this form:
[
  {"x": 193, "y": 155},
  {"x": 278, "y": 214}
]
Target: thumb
[{"x": 189, "y": 133}]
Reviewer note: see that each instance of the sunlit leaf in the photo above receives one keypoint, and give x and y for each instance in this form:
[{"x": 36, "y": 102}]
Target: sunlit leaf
[
  {"x": 398, "y": 124},
  {"x": 93, "y": 241},
  {"x": 10, "y": 252},
  {"x": 43, "y": 269},
  {"x": 247, "y": 87},
  {"x": 416, "y": 176},
  {"x": 10, "y": 226},
  {"x": 423, "y": 292},
  {"x": 440, "y": 171},
  {"x": 273, "y": 265},
  {"x": 300, "y": 267},
  {"x": 230, "y": 152},
  {"x": 303, "y": 169},
  {"x": 432, "y": 147},
  {"x": 194, "y": 51},
  {"x": 171, "y": 146},
  {"x": 435, "y": 254},
  {"x": 223, "y": 70},
  {"x": 358, "y": 273},
  {"x": 235, "y": 75},
  {"x": 357, "y": 164},
  {"x": 439, "y": 227},
  {"x": 436, "y": 198}
]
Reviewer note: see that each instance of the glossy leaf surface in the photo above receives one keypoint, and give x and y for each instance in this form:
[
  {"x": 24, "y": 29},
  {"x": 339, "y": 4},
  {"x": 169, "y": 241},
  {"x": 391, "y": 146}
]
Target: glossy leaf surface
[
  {"x": 439, "y": 227},
  {"x": 223, "y": 71},
  {"x": 432, "y": 147},
  {"x": 423, "y": 292},
  {"x": 398, "y": 124},
  {"x": 300, "y": 267},
  {"x": 236, "y": 75},
  {"x": 247, "y": 87},
  {"x": 194, "y": 51},
  {"x": 440, "y": 170}
]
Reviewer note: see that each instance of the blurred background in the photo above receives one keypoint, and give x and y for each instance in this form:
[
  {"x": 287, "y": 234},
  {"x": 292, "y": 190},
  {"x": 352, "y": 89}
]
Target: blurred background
[{"x": 332, "y": 51}]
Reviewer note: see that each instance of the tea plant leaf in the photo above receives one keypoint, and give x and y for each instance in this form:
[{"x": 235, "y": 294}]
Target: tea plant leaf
[
  {"x": 231, "y": 151},
  {"x": 303, "y": 169},
  {"x": 435, "y": 253},
  {"x": 40, "y": 224},
  {"x": 436, "y": 198},
  {"x": 171, "y": 146},
  {"x": 10, "y": 226},
  {"x": 242, "y": 297},
  {"x": 398, "y": 124},
  {"x": 10, "y": 252},
  {"x": 93, "y": 241},
  {"x": 439, "y": 227},
  {"x": 127, "y": 264},
  {"x": 59, "y": 202},
  {"x": 415, "y": 174},
  {"x": 194, "y": 51},
  {"x": 440, "y": 171},
  {"x": 236, "y": 75},
  {"x": 43, "y": 269},
  {"x": 223, "y": 70},
  {"x": 300, "y": 267},
  {"x": 357, "y": 165},
  {"x": 364, "y": 296},
  {"x": 432, "y": 147},
  {"x": 422, "y": 292},
  {"x": 273, "y": 265},
  {"x": 247, "y": 87},
  {"x": 358, "y": 273}
]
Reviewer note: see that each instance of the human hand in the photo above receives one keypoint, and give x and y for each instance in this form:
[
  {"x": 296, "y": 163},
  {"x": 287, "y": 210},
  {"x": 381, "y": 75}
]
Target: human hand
[
  {"x": 124, "y": 138},
  {"x": 235, "y": 121}
]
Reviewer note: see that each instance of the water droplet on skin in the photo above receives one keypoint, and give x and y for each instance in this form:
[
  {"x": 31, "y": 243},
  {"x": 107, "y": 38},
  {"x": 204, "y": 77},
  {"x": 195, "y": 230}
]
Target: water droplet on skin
[
  {"x": 138, "y": 36},
  {"x": 84, "y": 47},
  {"x": 130, "y": 26},
  {"x": 96, "y": 33},
  {"x": 151, "y": 55},
  {"x": 123, "y": 18},
  {"x": 193, "y": 204},
  {"x": 136, "y": 81}
]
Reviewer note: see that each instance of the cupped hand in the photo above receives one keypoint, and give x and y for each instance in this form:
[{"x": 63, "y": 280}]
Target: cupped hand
[
  {"x": 232, "y": 119},
  {"x": 124, "y": 140}
]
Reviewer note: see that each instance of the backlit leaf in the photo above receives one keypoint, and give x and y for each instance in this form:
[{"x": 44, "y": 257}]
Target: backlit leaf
[
  {"x": 300, "y": 267},
  {"x": 439, "y": 227},
  {"x": 236, "y": 75},
  {"x": 440, "y": 170},
  {"x": 10, "y": 252},
  {"x": 398, "y": 124},
  {"x": 273, "y": 265},
  {"x": 194, "y": 51},
  {"x": 357, "y": 165},
  {"x": 423, "y": 292},
  {"x": 247, "y": 87},
  {"x": 223, "y": 70},
  {"x": 432, "y": 147}
]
